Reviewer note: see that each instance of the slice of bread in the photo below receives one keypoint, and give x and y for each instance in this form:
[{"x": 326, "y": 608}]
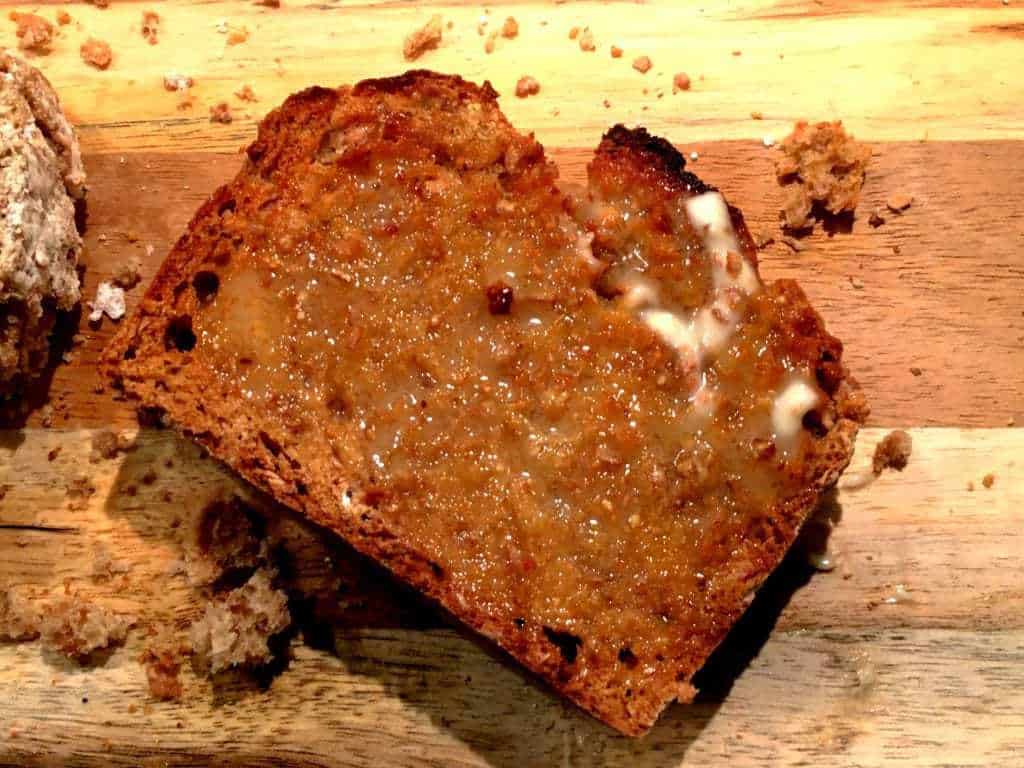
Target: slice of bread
[{"x": 579, "y": 422}]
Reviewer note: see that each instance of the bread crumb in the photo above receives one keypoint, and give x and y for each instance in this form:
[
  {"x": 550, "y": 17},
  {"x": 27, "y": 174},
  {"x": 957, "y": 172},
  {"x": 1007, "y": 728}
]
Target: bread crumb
[
  {"x": 246, "y": 93},
  {"x": 161, "y": 659},
  {"x": 892, "y": 452},
  {"x": 755, "y": 115},
  {"x": 269, "y": 3},
  {"x": 642, "y": 64},
  {"x": 127, "y": 275},
  {"x": 875, "y": 219},
  {"x": 970, "y": 485},
  {"x": 426, "y": 38},
  {"x": 820, "y": 165},
  {"x": 78, "y": 491},
  {"x": 586, "y": 40},
  {"x": 899, "y": 202},
  {"x": 107, "y": 444},
  {"x": 680, "y": 82},
  {"x": 574, "y": 33},
  {"x": 527, "y": 86},
  {"x": 53, "y": 453},
  {"x": 77, "y": 627},
  {"x": 63, "y": 17},
  {"x": 96, "y": 53},
  {"x": 101, "y": 4},
  {"x": 109, "y": 301},
  {"x": 616, "y": 52},
  {"x": 173, "y": 81},
  {"x": 236, "y": 629},
  {"x": 737, "y": 53},
  {"x": 490, "y": 42},
  {"x": 988, "y": 480},
  {"x": 914, "y": 370},
  {"x": 228, "y": 539},
  {"x": 510, "y": 29},
  {"x": 221, "y": 113},
  {"x": 237, "y": 35},
  {"x": 34, "y": 32},
  {"x": 19, "y": 617},
  {"x": 105, "y": 567}
]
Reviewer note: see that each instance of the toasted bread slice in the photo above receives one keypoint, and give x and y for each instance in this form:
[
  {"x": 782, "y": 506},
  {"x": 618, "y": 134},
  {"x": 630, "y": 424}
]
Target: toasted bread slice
[{"x": 582, "y": 426}]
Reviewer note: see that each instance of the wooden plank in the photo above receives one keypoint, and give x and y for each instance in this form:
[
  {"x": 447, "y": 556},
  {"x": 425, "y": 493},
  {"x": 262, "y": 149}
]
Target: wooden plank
[
  {"x": 824, "y": 671},
  {"x": 878, "y": 68},
  {"x": 401, "y": 698},
  {"x": 951, "y": 293}
]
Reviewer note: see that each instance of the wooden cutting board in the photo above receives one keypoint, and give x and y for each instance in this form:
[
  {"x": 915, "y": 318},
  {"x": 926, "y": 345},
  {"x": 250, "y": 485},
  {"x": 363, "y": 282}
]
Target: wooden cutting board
[{"x": 910, "y": 652}]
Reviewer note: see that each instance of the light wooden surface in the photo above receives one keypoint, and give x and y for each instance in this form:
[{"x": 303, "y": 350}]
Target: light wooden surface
[{"x": 824, "y": 670}]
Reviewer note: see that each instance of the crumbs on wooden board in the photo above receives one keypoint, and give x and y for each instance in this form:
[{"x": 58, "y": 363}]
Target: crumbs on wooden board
[
  {"x": 527, "y": 86},
  {"x": 426, "y": 38}
]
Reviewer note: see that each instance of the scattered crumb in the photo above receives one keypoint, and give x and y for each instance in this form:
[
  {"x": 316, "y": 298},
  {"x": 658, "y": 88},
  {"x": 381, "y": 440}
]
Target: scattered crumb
[
  {"x": 53, "y": 453},
  {"x": 221, "y": 113},
  {"x": 820, "y": 164},
  {"x": 161, "y": 659},
  {"x": 246, "y": 93},
  {"x": 680, "y": 82},
  {"x": 642, "y": 64},
  {"x": 34, "y": 32},
  {"x": 856, "y": 283},
  {"x": 237, "y": 35},
  {"x": 737, "y": 53},
  {"x": 269, "y": 3},
  {"x": 586, "y": 40},
  {"x": 63, "y": 17},
  {"x": 768, "y": 141},
  {"x": 19, "y": 617},
  {"x": 875, "y": 219},
  {"x": 892, "y": 452},
  {"x": 236, "y": 628},
  {"x": 527, "y": 86},
  {"x": 574, "y": 33},
  {"x": 426, "y": 38},
  {"x": 988, "y": 480},
  {"x": 490, "y": 42},
  {"x": 899, "y": 202},
  {"x": 102, "y": 4},
  {"x": 79, "y": 491},
  {"x": 96, "y": 53},
  {"x": 107, "y": 444},
  {"x": 77, "y": 627},
  {"x": 109, "y": 301},
  {"x": 607, "y": 104},
  {"x": 105, "y": 567},
  {"x": 174, "y": 81},
  {"x": 970, "y": 485},
  {"x": 510, "y": 28},
  {"x": 127, "y": 275},
  {"x": 755, "y": 115},
  {"x": 151, "y": 26},
  {"x": 915, "y": 370},
  {"x": 694, "y": 155},
  {"x": 616, "y": 52}
]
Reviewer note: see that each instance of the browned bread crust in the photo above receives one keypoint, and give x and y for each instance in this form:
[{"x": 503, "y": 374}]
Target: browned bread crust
[{"x": 155, "y": 359}]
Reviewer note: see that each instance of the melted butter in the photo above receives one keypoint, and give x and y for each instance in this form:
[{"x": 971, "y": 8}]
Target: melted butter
[{"x": 557, "y": 460}]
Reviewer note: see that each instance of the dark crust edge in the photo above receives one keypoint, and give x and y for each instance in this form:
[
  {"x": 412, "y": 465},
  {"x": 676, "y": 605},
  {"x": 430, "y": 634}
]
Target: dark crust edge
[{"x": 274, "y": 472}]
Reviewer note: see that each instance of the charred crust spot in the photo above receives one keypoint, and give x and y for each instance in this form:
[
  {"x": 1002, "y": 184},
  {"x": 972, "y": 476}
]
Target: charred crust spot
[
  {"x": 658, "y": 152},
  {"x": 499, "y": 298},
  {"x": 129, "y": 354},
  {"x": 228, "y": 206},
  {"x": 205, "y": 284},
  {"x": 436, "y": 570},
  {"x": 567, "y": 643},
  {"x": 179, "y": 334},
  {"x": 812, "y": 423},
  {"x": 374, "y": 497},
  {"x": 270, "y": 444},
  {"x": 520, "y": 623}
]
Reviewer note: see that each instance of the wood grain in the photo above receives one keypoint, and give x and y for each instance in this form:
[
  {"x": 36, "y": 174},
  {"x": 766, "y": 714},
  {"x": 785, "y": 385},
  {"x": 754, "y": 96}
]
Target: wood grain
[
  {"x": 947, "y": 303},
  {"x": 855, "y": 669},
  {"x": 899, "y": 71}
]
